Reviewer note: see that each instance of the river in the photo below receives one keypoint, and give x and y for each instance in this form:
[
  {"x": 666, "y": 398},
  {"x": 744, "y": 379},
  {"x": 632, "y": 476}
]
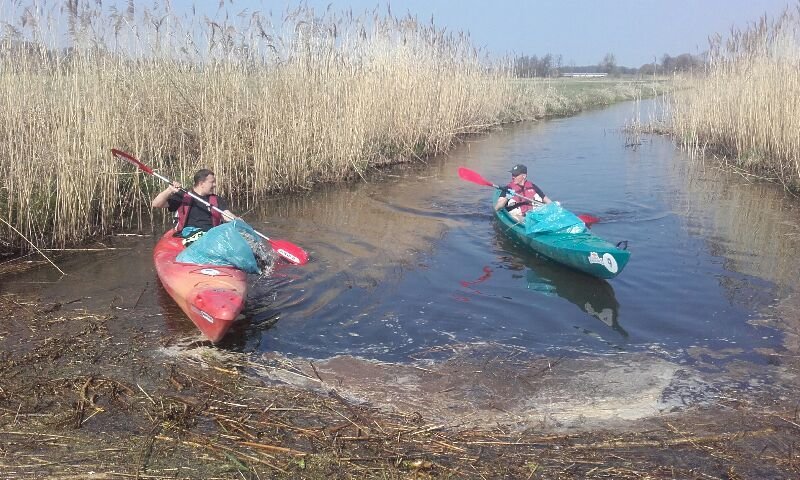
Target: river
[{"x": 409, "y": 262}]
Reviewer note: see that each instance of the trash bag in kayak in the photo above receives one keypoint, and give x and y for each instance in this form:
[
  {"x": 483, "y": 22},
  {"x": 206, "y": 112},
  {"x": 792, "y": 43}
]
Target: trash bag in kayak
[
  {"x": 552, "y": 218},
  {"x": 231, "y": 244}
]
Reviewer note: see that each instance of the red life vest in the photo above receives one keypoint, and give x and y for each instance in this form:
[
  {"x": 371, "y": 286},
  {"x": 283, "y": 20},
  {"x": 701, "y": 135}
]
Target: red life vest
[
  {"x": 528, "y": 190},
  {"x": 186, "y": 205}
]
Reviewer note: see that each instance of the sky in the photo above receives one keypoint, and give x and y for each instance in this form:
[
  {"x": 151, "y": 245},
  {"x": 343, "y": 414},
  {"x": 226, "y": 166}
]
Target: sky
[{"x": 582, "y": 31}]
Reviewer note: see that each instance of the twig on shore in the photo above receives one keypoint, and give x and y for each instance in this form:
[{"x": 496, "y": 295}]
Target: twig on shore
[
  {"x": 83, "y": 249},
  {"x": 32, "y": 245}
]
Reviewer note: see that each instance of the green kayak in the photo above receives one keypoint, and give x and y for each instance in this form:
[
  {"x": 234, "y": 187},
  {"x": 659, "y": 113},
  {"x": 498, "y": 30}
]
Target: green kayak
[{"x": 585, "y": 252}]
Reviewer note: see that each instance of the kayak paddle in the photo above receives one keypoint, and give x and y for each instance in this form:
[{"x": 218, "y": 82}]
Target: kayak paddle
[
  {"x": 475, "y": 177},
  {"x": 284, "y": 248}
]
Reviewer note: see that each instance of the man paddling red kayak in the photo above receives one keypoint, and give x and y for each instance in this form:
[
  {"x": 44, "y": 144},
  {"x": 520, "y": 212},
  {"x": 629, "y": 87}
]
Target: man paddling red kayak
[
  {"x": 194, "y": 217},
  {"x": 209, "y": 284}
]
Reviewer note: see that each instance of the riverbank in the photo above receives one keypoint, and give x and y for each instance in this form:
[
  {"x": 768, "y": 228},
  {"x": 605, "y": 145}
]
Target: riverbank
[
  {"x": 98, "y": 395},
  {"x": 573, "y": 95}
]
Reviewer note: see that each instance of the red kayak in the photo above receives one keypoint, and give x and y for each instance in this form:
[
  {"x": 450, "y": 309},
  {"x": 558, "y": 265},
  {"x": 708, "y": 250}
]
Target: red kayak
[{"x": 212, "y": 296}]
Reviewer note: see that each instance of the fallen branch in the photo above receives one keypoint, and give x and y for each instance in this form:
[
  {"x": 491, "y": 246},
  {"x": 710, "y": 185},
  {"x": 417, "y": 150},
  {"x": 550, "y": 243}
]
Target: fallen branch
[
  {"x": 32, "y": 245},
  {"x": 273, "y": 448}
]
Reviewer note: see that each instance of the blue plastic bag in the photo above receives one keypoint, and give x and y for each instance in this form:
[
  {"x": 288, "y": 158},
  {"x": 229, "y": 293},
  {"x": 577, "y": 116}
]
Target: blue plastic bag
[
  {"x": 552, "y": 218},
  {"x": 225, "y": 245}
]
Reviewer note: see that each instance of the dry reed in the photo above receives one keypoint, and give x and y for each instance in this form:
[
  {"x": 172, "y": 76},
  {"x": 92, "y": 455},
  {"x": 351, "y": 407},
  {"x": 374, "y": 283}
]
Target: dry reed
[
  {"x": 268, "y": 105},
  {"x": 746, "y": 107}
]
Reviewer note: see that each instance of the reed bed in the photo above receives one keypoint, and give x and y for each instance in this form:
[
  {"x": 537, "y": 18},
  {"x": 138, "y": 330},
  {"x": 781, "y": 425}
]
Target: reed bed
[
  {"x": 270, "y": 104},
  {"x": 267, "y": 106},
  {"x": 746, "y": 107}
]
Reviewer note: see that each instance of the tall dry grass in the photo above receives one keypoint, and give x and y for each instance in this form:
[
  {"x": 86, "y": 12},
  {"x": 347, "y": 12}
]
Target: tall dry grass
[
  {"x": 268, "y": 104},
  {"x": 746, "y": 107}
]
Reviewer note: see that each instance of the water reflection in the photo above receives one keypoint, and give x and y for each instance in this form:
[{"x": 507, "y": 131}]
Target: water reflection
[
  {"x": 738, "y": 218},
  {"x": 594, "y": 296}
]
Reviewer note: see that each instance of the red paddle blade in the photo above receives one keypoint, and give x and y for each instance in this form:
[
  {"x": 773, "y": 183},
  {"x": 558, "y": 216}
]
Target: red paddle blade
[
  {"x": 589, "y": 220},
  {"x": 289, "y": 251},
  {"x": 132, "y": 160},
  {"x": 474, "y": 177}
]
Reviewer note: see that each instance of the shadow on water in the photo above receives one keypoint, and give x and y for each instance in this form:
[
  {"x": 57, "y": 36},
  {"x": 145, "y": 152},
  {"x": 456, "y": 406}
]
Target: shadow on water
[{"x": 593, "y": 296}]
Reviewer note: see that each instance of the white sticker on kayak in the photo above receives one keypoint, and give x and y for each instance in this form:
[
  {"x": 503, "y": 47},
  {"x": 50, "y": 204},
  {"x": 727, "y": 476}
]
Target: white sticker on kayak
[
  {"x": 610, "y": 262},
  {"x": 208, "y": 317},
  {"x": 607, "y": 261},
  {"x": 210, "y": 272}
]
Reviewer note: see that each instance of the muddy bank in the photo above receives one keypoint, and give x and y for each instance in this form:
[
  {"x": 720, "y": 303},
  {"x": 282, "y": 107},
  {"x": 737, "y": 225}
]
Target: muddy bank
[{"x": 88, "y": 395}]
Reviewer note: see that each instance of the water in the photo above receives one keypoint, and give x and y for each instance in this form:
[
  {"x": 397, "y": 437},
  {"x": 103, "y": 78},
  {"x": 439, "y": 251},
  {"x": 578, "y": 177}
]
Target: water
[{"x": 411, "y": 260}]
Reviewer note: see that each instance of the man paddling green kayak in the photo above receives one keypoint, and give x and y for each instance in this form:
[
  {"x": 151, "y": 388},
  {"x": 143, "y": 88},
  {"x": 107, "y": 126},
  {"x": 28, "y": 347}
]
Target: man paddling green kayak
[
  {"x": 550, "y": 230},
  {"x": 520, "y": 194}
]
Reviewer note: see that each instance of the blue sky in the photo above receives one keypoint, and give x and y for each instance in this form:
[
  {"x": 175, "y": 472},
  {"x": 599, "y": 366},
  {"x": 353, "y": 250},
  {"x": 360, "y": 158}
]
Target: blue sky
[{"x": 583, "y": 31}]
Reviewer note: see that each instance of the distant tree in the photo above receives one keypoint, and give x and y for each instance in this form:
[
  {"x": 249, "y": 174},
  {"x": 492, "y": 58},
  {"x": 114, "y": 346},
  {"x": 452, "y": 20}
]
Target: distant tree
[
  {"x": 608, "y": 64},
  {"x": 649, "y": 69},
  {"x": 545, "y": 65},
  {"x": 533, "y": 66},
  {"x": 684, "y": 62},
  {"x": 550, "y": 65},
  {"x": 667, "y": 64},
  {"x": 523, "y": 67}
]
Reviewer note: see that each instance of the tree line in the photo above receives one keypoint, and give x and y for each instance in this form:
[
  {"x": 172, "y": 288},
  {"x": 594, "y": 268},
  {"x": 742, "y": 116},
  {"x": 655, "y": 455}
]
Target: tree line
[{"x": 550, "y": 65}]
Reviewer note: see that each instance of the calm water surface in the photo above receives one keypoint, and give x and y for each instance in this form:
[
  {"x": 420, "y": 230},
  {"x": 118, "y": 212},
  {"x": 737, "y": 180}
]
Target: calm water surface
[{"x": 412, "y": 261}]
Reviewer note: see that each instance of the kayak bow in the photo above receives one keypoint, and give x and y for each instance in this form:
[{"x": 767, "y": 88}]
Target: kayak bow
[{"x": 212, "y": 296}]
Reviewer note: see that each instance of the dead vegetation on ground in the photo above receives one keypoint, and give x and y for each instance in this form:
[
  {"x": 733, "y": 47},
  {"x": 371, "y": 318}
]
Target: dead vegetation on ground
[{"x": 78, "y": 401}]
